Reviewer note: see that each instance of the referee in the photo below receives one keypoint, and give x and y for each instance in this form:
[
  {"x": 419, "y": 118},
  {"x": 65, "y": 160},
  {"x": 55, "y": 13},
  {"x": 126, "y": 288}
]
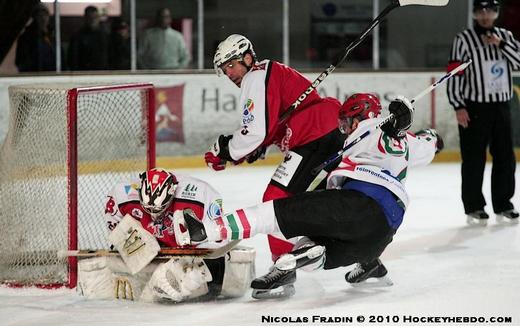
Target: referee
[{"x": 481, "y": 97}]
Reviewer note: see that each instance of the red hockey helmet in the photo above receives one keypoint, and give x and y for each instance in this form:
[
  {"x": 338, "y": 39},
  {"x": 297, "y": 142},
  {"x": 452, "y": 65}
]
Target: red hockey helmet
[
  {"x": 361, "y": 106},
  {"x": 157, "y": 190}
]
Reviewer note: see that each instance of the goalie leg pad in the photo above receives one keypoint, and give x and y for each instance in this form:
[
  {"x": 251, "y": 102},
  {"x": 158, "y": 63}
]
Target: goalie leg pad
[
  {"x": 107, "y": 278},
  {"x": 136, "y": 245},
  {"x": 178, "y": 280},
  {"x": 239, "y": 272}
]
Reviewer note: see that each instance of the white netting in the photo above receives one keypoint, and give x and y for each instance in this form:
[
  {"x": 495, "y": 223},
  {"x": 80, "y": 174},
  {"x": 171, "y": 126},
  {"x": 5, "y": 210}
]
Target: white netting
[{"x": 112, "y": 141}]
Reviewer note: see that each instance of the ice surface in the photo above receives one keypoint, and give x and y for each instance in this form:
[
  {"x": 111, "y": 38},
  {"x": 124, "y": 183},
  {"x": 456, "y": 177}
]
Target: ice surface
[{"x": 440, "y": 267}]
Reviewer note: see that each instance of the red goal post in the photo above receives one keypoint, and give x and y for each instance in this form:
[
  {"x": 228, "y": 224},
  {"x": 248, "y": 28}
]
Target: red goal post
[{"x": 65, "y": 148}]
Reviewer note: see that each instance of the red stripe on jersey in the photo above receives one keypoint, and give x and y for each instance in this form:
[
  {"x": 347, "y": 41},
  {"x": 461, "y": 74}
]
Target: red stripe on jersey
[
  {"x": 347, "y": 164},
  {"x": 197, "y": 207},
  {"x": 245, "y": 223},
  {"x": 223, "y": 230}
]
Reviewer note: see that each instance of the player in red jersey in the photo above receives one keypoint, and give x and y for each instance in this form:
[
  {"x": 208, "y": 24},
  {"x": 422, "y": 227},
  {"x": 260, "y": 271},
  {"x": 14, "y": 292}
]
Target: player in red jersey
[{"x": 307, "y": 138}]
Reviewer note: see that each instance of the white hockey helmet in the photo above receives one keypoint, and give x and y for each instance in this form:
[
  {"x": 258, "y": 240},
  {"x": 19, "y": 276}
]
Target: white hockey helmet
[
  {"x": 233, "y": 47},
  {"x": 157, "y": 190}
]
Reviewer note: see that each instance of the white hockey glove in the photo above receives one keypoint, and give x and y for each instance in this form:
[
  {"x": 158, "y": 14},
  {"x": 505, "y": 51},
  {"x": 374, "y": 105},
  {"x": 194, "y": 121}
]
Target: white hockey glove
[
  {"x": 136, "y": 245},
  {"x": 402, "y": 110},
  {"x": 429, "y": 134},
  {"x": 179, "y": 279}
]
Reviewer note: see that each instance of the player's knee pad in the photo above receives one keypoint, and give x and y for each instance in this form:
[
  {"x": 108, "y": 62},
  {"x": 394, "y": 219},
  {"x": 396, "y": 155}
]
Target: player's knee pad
[
  {"x": 239, "y": 272},
  {"x": 108, "y": 278}
]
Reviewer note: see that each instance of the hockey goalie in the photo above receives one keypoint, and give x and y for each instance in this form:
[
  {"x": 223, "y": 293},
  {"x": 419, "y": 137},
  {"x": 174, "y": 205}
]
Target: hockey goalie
[{"x": 140, "y": 216}]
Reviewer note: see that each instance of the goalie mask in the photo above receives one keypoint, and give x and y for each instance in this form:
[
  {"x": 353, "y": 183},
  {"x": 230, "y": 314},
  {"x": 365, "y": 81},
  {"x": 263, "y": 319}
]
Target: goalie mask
[
  {"x": 233, "y": 47},
  {"x": 360, "y": 106},
  {"x": 157, "y": 190}
]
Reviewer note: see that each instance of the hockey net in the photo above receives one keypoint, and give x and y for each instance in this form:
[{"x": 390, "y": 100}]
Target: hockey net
[{"x": 65, "y": 149}]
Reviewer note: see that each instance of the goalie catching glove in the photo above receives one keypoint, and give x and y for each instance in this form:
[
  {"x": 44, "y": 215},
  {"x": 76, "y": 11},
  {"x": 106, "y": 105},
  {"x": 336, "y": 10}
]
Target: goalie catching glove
[{"x": 402, "y": 110}]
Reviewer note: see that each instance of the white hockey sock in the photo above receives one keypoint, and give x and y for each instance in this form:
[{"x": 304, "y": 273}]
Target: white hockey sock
[{"x": 248, "y": 222}]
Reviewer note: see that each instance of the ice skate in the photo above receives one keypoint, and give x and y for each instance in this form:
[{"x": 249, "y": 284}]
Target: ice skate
[
  {"x": 275, "y": 284},
  {"x": 479, "y": 218},
  {"x": 507, "y": 217},
  {"x": 372, "y": 274}
]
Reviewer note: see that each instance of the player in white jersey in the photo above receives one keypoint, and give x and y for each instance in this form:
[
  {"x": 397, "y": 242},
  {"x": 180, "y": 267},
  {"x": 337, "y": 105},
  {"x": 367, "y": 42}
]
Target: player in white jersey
[
  {"x": 139, "y": 215},
  {"x": 357, "y": 216}
]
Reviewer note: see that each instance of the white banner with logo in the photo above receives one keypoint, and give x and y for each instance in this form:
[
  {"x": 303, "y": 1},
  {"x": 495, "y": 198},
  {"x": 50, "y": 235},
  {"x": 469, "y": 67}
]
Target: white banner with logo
[{"x": 193, "y": 109}]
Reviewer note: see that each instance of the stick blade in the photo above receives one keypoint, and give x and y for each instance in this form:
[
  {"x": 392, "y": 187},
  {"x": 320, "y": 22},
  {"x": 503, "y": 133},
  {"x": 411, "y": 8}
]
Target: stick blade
[{"x": 436, "y": 3}]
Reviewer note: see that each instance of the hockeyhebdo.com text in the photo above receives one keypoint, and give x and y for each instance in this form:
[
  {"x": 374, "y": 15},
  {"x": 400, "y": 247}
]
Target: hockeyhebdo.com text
[{"x": 385, "y": 320}]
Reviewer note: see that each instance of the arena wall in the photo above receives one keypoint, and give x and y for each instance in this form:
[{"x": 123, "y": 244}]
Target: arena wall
[{"x": 193, "y": 109}]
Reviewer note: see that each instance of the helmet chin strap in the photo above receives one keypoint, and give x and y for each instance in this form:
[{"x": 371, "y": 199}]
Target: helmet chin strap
[{"x": 243, "y": 63}]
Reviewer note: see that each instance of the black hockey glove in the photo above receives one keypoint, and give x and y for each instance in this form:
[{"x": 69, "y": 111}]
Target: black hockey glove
[
  {"x": 257, "y": 154},
  {"x": 402, "y": 110},
  {"x": 218, "y": 155}
]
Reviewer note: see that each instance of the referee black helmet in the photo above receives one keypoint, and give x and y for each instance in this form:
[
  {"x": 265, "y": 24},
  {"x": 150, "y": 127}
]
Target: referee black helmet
[{"x": 485, "y": 4}]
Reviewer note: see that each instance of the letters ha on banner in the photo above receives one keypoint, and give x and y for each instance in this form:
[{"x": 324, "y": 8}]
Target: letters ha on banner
[{"x": 168, "y": 113}]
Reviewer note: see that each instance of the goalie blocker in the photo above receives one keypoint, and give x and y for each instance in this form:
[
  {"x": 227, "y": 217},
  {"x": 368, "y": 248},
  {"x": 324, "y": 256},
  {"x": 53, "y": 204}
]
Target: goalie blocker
[{"x": 179, "y": 279}]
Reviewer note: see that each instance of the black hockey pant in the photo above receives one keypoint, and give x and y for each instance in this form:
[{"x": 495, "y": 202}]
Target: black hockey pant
[{"x": 351, "y": 226}]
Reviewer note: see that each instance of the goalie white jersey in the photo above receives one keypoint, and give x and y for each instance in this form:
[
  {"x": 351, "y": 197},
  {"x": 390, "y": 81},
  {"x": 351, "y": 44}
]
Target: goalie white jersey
[
  {"x": 190, "y": 192},
  {"x": 381, "y": 159}
]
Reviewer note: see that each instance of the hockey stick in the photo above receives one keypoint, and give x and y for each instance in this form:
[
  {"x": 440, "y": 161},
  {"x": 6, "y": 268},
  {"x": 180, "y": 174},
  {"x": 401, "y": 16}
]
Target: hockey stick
[
  {"x": 164, "y": 253},
  {"x": 394, "y": 4},
  {"x": 319, "y": 169}
]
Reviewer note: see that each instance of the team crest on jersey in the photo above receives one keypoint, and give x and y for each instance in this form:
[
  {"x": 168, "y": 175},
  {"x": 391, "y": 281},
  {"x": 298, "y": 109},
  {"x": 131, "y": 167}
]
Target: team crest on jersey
[
  {"x": 160, "y": 228},
  {"x": 247, "y": 115},
  {"x": 392, "y": 146},
  {"x": 215, "y": 210}
]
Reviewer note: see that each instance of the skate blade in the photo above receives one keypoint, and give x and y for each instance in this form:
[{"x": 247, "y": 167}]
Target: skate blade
[
  {"x": 501, "y": 219},
  {"x": 374, "y": 282},
  {"x": 288, "y": 261},
  {"x": 280, "y": 292},
  {"x": 476, "y": 222}
]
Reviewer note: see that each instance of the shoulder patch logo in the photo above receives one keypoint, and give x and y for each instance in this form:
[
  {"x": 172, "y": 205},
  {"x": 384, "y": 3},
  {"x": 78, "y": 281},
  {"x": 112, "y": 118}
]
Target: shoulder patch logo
[
  {"x": 247, "y": 115},
  {"x": 214, "y": 210}
]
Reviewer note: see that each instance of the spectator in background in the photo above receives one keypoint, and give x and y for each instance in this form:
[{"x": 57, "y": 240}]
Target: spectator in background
[
  {"x": 119, "y": 45},
  {"x": 35, "y": 49},
  {"x": 161, "y": 46},
  {"x": 481, "y": 97},
  {"x": 88, "y": 48}
]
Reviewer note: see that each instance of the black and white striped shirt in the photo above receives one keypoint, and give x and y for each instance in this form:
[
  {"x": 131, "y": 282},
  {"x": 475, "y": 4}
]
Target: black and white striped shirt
[{"x": 488, "y": 79}]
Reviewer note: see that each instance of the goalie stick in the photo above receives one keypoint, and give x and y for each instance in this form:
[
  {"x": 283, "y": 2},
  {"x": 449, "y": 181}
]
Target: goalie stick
[
  {"x": 394, "y": 4},
  {"x": 164, "y": 253},
  {"x": 321, "y": 174}
]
